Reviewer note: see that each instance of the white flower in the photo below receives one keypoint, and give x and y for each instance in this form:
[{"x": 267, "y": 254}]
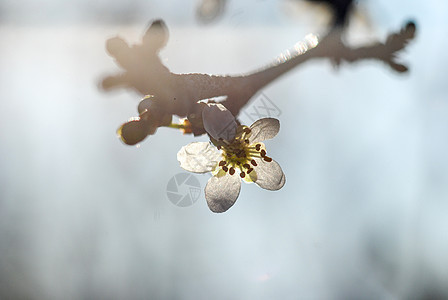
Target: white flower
[{"x": 244, "y": 157}]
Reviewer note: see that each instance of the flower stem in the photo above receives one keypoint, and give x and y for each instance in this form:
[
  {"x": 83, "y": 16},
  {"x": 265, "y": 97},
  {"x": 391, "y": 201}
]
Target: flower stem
[{"x": 177, "y": 126}]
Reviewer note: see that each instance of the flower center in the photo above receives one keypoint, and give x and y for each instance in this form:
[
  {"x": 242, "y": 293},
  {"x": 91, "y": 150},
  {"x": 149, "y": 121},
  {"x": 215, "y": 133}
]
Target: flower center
[{"x": 239, "y": 154}]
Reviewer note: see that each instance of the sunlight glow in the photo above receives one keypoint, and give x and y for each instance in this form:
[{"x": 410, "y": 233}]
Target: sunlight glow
[
  {"x": 299, "y": 48},
  {"x": 311, "y": 40}
]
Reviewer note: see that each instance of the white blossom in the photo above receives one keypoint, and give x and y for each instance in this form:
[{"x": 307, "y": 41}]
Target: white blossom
[{"x": 230, "y": 161}]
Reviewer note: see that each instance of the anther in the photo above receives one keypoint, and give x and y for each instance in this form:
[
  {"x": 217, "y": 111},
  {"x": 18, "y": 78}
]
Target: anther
[
  {"x": 222, "y": 163},
  {"x": 268, "y": 159},
  {"x": 263, "y": 153},
  {"x": 232, "y": 171},
  {"x": 246, "y": 141},
  {"x": 238, "y": 163},
  {"x": 247, "y": 166},
  {"x": 250, "y": 170},
  {"x": 242, "y": 174},
  {"x": 253, "y": 162},
  {"x": 257, "y": 147},
  {"x": 247, "y": 130},
  {"x": 225, "y": 168}
]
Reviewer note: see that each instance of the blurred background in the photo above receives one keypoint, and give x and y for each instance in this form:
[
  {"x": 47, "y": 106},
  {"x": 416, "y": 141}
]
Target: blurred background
[{"x": 363, "y": 214}]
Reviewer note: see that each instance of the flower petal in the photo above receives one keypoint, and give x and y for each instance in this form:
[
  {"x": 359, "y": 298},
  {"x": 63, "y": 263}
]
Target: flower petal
[
  {"x": 222, "y": 192},
  {"x": 199, "y": 157},
  {"x": 264, "y": 129},
  {"x": 268, "y": 175},
  {"x": 219, "y": 122}
]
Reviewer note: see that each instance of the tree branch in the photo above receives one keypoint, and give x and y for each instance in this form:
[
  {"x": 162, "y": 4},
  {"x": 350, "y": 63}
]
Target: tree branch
[{"x": 178, "y": 94}]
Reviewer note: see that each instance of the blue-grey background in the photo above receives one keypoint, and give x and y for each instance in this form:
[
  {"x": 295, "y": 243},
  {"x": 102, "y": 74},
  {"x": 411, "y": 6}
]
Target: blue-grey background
[{"x": 363, "y": 214}]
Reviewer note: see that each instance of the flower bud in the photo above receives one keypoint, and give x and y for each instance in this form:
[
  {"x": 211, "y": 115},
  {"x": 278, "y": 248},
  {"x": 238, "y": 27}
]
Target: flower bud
[{"x": 134, "y": 131}]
